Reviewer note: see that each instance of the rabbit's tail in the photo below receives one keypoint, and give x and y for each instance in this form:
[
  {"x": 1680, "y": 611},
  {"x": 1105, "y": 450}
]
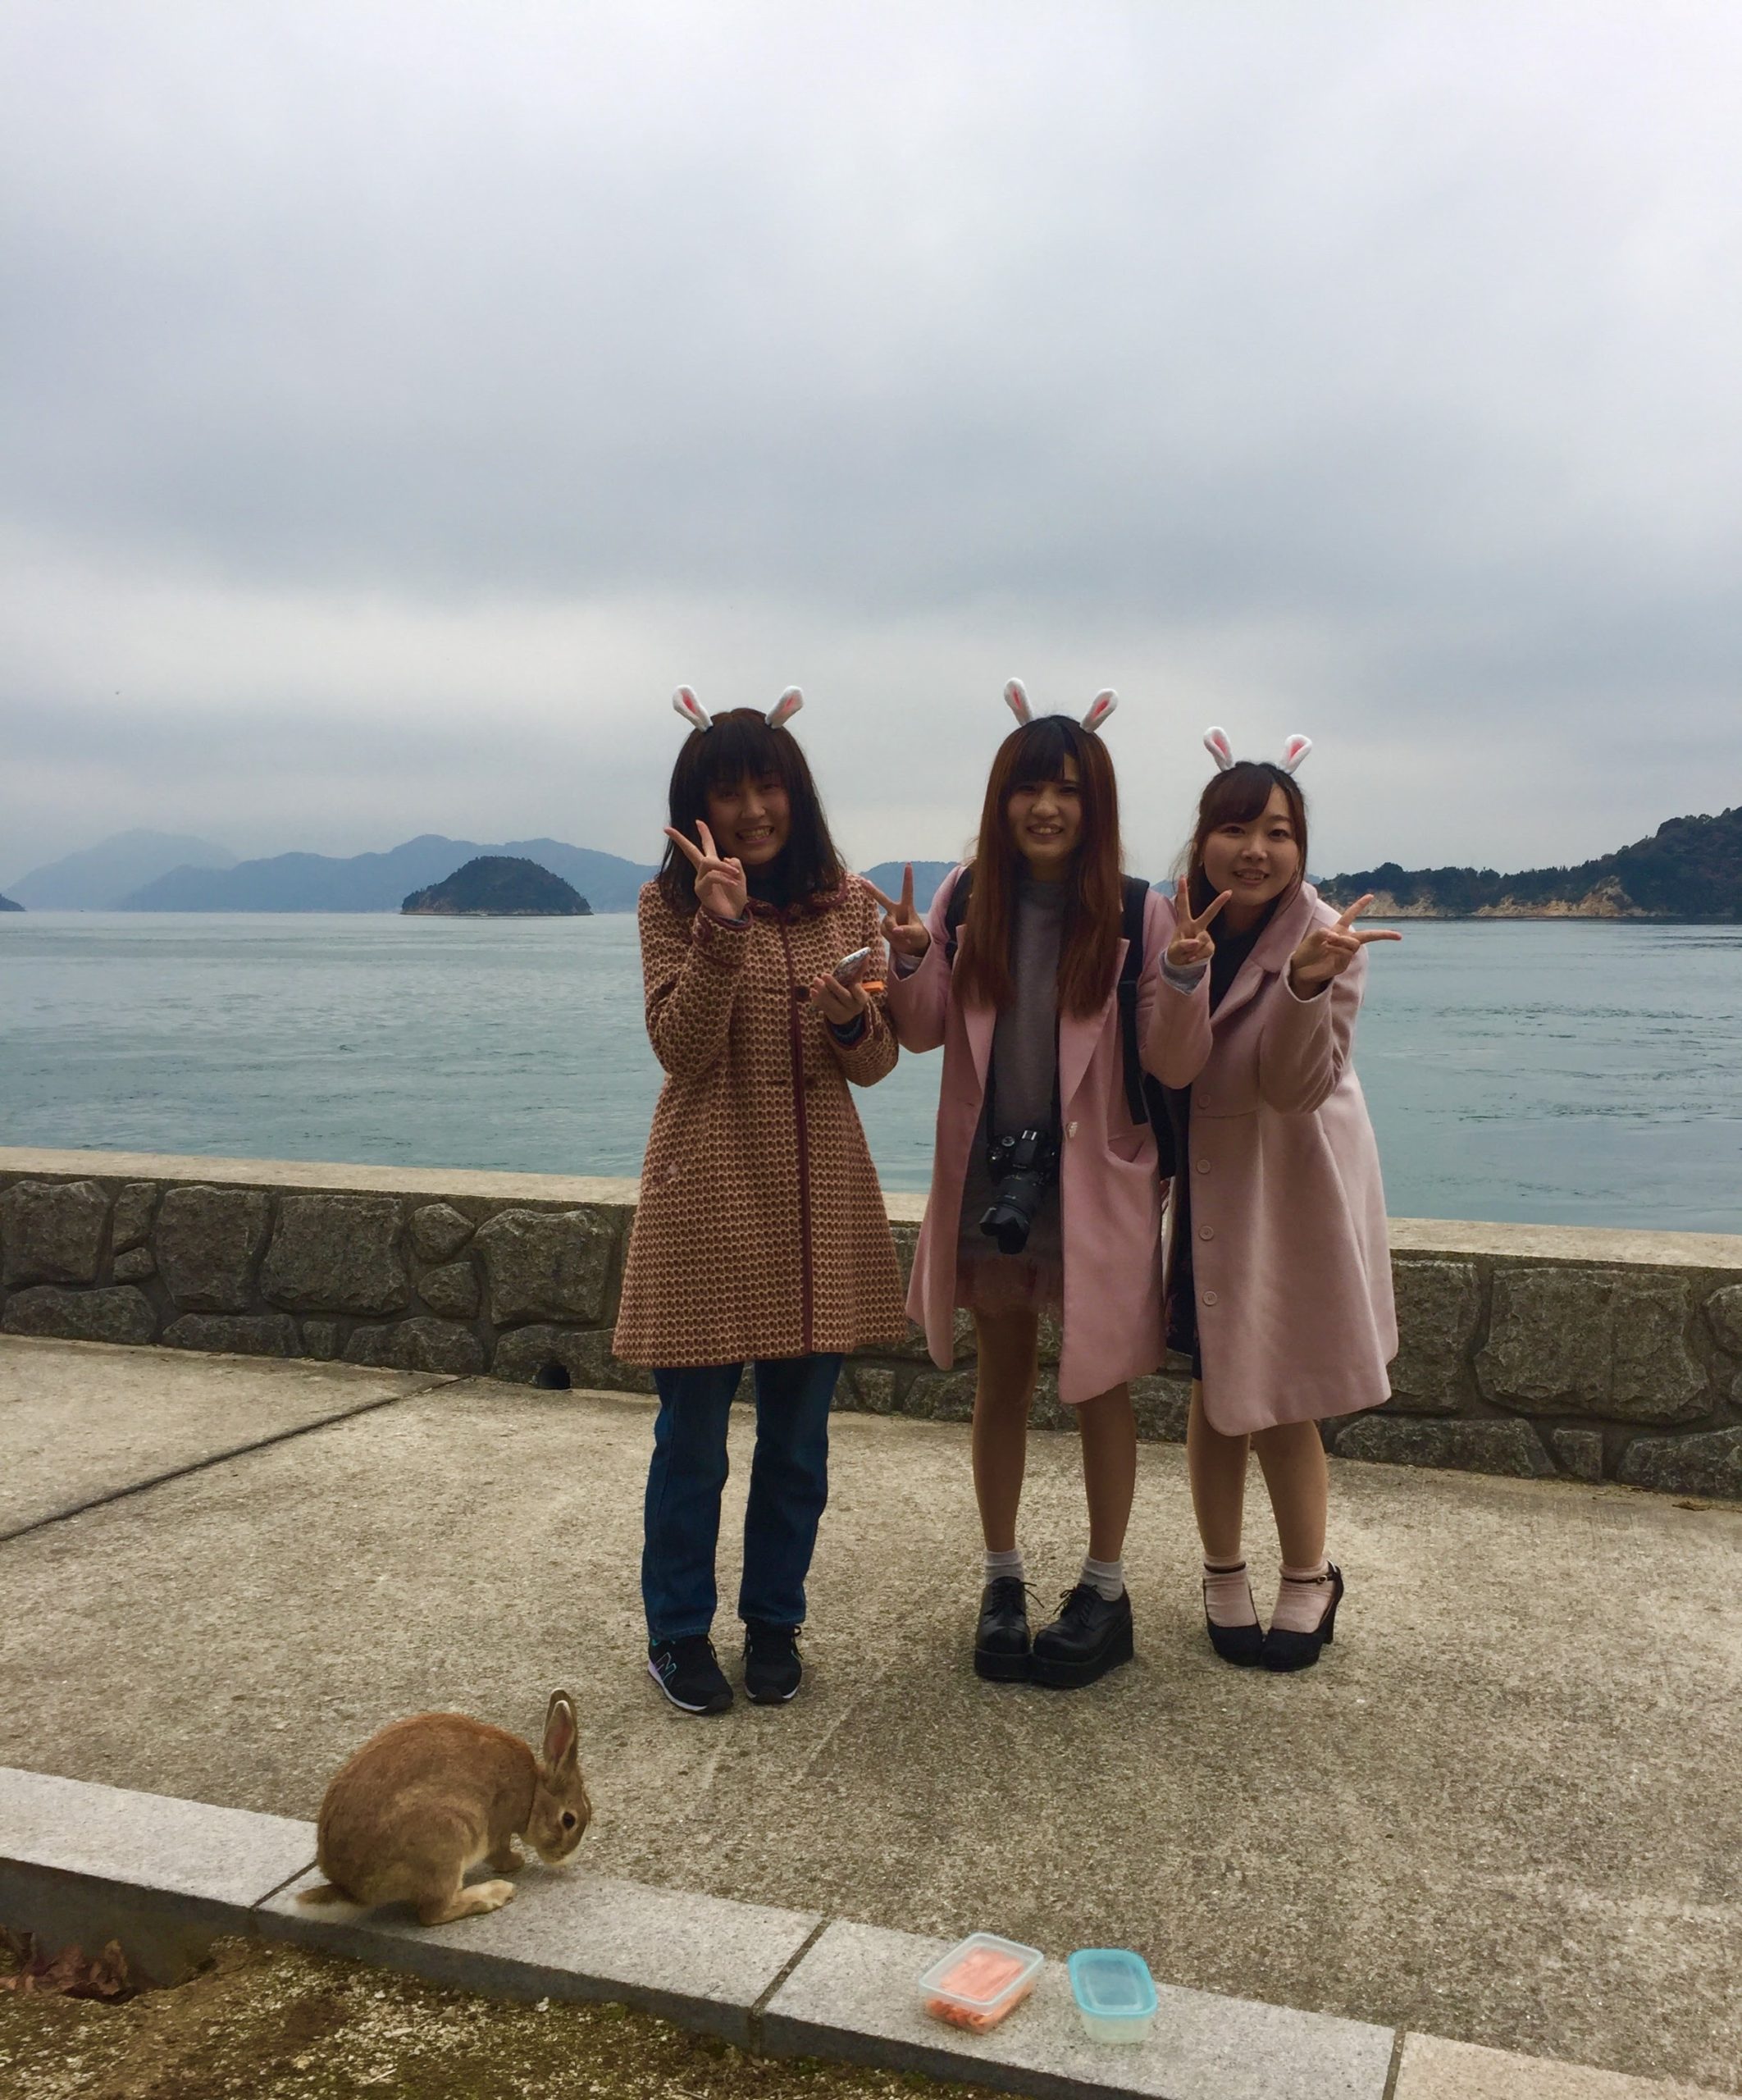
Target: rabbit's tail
[{"x": 323, "y": 1892}]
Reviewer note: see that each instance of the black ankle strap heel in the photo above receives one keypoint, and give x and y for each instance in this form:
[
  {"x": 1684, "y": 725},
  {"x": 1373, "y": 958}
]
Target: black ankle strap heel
[{"x": 1286, "y": 1649}]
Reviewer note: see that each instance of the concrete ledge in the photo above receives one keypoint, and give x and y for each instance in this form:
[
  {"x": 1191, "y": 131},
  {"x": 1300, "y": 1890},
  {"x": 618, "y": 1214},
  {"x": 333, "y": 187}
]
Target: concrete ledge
[
  {"x": 1433, "y": 2070},
  {"x": 853, "y": 1996},
  {"x": 342, "y": 1179},
  {"x": 700, "y": 1961},
  {"x": 1606, "y": 1246},
  {"x": 82, "y": 1865}
]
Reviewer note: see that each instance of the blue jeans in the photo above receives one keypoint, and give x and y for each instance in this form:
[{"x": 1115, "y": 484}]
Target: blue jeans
[{"x": 788, "y": 1491}]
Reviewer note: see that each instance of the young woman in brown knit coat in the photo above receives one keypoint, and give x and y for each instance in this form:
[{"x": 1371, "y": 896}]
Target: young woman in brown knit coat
[{"x": 760, "y": 1235}]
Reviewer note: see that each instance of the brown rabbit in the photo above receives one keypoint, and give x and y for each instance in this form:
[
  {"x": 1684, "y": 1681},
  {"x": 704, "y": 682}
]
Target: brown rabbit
[{"x": 428, "y": 1797}]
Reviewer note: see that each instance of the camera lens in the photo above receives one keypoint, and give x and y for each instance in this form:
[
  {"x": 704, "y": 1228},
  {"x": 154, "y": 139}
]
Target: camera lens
[
  {"x": 1008, "y": 1225},
  {"x": 1022, "y": 1169}
]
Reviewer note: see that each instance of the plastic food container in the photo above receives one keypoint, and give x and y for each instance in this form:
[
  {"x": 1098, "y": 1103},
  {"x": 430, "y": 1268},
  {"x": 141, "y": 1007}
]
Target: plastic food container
[
  {"x": 1114, "y": 1992},
  {"x": 981, "y": 1980}
]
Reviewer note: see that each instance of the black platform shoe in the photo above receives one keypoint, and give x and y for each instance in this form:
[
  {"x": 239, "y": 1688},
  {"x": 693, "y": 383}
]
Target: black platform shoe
[
  {"x": 1285, "y": 1650},
  {"x": 1000, "y": 1640},
  {"x": 1243, "y": 1645},
  {"x": 1088, "y": 1638}
]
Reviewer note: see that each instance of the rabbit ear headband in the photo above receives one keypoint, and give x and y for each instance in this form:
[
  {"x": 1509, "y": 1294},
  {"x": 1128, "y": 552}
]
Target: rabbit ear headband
[
  {"x": 1016, "y": 699},
  {"x": 686, "y": 704},
  {"x": 1216, "y": 743}
]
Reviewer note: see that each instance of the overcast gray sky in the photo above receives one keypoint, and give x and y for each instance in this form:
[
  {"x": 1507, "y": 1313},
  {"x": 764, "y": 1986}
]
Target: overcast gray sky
[{"x": 399, "y": 399}]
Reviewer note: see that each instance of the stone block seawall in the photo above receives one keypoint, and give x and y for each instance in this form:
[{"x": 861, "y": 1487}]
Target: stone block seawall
[{"x": 1526, "y": 1350}]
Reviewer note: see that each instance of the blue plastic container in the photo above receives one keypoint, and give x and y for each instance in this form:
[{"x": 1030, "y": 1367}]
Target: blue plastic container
[{"x": 1114, "y": 1992}]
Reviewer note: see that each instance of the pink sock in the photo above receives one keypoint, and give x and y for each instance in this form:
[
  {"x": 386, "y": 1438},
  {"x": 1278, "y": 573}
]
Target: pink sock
[
  {"x": 1228, "y": 1595},
  {"x": 1302, "y": 1598}
]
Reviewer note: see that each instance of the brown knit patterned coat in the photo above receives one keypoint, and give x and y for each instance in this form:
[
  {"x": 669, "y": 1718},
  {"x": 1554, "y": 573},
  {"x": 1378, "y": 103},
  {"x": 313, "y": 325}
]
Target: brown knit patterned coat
[{"x": 761, "y": 1230}]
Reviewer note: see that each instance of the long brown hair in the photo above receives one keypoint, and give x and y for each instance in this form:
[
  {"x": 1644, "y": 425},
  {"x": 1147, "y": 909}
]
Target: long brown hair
[
  {"x": 1089, "y": 942},
  {"x": 1237, "y": 797},
  {"x": 741, "y": 746}
]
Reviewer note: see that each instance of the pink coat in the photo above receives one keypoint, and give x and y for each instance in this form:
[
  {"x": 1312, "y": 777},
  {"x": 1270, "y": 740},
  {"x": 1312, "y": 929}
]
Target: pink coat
[
  {"x": 1295, "y": 1317},
  {"x": 1110, "y": 1193}
]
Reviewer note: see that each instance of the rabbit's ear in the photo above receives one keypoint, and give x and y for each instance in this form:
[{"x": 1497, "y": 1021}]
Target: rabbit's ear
[
  {"x": 785, "y": 708},
  {"x": 691, "y": 709},
  {"x": 1216, "y": 743},
  {"x": 1016, "y": 699},
  {"x": 561, "y": 1732},
  {"x": 1294, "y": 751},
  {"x": 1100, "y": 708}
]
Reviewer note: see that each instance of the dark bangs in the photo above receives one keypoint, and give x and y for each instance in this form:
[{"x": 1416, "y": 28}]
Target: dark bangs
[
  {"x": 1038, "y": 752},
  {"x": 1090, "y": 937},
  {"x": 741, "y": 746},
  {"x": 1237, "y": 797}
]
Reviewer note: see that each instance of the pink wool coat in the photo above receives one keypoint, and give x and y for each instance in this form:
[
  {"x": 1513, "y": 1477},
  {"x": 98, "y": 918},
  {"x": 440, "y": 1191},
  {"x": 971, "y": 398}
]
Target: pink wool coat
[
  {"x": 1111, "y": 1194},
  {"x": 1295, "y": 1317}
]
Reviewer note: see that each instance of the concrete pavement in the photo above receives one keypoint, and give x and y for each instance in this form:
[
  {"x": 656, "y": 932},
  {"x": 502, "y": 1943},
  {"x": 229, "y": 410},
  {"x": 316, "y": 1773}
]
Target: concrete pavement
[
  {"x": 73, "y": 1434},
  {"x": 1503, "y": 1810}
]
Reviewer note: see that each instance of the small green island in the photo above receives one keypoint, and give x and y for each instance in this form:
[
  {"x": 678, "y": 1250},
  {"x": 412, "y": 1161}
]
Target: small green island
[
  {"x": 498, "y": 886},
  {"x": 1690, "y": 870},
  {"x": 7, "y": 904}
]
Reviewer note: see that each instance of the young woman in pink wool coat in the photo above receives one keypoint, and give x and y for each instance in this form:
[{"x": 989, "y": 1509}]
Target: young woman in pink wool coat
[
  {"x": 1279, "y": 1274},
  {"x": 1023, "y": 989}
]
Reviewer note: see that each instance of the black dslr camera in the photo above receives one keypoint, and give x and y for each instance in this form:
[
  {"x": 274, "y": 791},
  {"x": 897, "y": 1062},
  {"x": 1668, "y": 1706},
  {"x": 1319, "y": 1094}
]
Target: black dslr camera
[{"x": 1023, "y": 1168}]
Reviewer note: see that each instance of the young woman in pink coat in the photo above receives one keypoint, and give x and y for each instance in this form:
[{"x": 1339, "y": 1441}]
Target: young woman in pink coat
[
  {"x": 1022, "y": 991},
  {"x": 1280, "y": 1275}
]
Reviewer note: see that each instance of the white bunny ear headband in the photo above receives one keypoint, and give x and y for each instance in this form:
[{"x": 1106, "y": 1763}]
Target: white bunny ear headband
[
  {"x": 1216, "y": 743},
  {"x": 686, "y": 704},
  {"x": 1016, "y": 699}
]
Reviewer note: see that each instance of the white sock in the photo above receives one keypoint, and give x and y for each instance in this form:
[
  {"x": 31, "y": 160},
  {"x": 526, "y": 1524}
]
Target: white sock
[
  {"x": 1302, "y": 1598},
  {"x": 1227, "y": 1595},
  {"x": 998, "y": 1565},
  {"x": 1106, "y": 1579}
]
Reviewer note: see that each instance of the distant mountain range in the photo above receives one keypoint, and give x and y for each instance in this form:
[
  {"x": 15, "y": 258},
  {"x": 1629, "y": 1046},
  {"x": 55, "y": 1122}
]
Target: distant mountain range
[
  {"x": 1689, "y": 869},
  {"x": 378, "y": 882},
  {"x": 100, "y": 877},
  {"x": 164, "y": 871},
  {"x": 7, "y": 904}
]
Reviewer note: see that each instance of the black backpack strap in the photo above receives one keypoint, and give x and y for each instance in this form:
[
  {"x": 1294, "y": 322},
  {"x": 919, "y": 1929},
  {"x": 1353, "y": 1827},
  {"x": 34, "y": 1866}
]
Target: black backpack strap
[
  {"x": 955, "y": 911},
  {"x": 1133, "y": 903}
]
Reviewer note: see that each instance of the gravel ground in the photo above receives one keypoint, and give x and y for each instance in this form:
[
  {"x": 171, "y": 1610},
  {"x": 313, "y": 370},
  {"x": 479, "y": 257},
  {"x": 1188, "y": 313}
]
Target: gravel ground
[{"x": 269, "y": 2023}]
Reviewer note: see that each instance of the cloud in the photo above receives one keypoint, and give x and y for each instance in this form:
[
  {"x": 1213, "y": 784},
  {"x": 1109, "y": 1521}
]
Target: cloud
[{"x": 405, "y": 397}]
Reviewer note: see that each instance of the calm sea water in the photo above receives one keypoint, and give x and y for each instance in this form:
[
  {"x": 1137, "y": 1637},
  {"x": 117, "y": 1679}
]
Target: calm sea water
[{"x": 1568, "y": 1073}]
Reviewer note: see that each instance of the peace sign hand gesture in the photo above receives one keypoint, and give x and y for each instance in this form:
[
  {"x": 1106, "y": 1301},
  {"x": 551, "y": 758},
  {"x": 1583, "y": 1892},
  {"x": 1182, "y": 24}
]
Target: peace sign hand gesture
[
  {"x": 1192, "y": 945},
  {"x": 1328, "y": 950},
  {"x": 720, "y": 885},
  {"x": 903, "y": 928}
]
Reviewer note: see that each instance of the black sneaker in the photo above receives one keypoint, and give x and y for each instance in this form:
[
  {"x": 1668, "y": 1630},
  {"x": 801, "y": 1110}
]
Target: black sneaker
[
  {"x": 685, "y": 1671},
  {"x": 771, "y": 1668},
  {"x": 1000, "y": 1640},
  {"x": 1088, "y": 1638}
]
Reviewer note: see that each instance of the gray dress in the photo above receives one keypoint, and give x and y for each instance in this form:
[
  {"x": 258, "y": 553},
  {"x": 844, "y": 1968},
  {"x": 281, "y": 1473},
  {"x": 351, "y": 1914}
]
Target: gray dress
[{"x": 1024, "y": 1075}]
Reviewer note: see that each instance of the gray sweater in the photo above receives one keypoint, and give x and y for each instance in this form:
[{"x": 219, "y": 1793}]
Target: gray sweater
[{"x": 1025, "y": 1043}]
